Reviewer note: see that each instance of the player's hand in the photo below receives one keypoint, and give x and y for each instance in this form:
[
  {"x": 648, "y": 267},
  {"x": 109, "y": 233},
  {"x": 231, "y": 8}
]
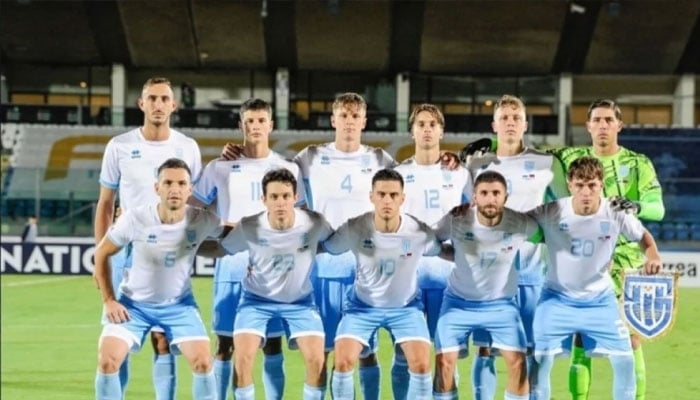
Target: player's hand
[
  {"x": 116, "y": 313},
  {"x": 232, "y": 151},
  {"x": 618, "y": 203},
  {"x": 652, "y": 266},
  {"x": 475, "y": 148},
  {"x": 460, "y": 210},
  {"x": 449, "y": 160}
]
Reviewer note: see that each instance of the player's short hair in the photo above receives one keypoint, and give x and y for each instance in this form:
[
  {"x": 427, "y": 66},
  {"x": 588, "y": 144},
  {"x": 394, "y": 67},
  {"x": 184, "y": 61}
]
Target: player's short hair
[
  {"x": 387, "y": 174},
  {"x": 604, "y": 103},
  {"x": 255, "y": 105},
  {"x": 156, "y": 81},
  {"x": 585, "y": 168},
  {"x": 432, "y": 109},
  {"x": 174, "y": 163},
  {"x": 508, "y": 100},
  {"x": 490, "y": 176},
  {"x": 349, "y": 99},
  {"x": 282, "y": 175}
]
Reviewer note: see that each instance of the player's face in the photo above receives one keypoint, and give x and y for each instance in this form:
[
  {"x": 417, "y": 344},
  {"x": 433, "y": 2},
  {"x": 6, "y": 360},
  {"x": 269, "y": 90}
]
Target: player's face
[
  {"x": 586, "y": 193},
  {"x": 280, "y": 199},
  {"x": 509, "y": 124},
  {"x": 387, "y": 197},
  {"x": 256, "y": 126},
  {"x": 157, "y": 103},
  {"x": 174, "y": 187},
  {"x": 426, "y": 130},
  {"x": 348, "y": 120},
  {"x": 490, "y": 198},
  {"x": 603, "y": 126}
]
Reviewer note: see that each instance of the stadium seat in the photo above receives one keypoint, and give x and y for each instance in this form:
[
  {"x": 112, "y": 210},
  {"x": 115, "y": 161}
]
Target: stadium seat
[
  {"x": 668, "y": 231},
  {"x": 695, "y": 231},
  {"x": 654, "y": 229},
  {"x": 682, "y": 231}
]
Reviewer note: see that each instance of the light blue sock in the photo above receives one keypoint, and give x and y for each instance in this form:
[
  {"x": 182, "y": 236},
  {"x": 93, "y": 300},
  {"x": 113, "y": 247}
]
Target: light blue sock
[
  {"x": 273, "y": 376},
  {"x": 245, "y": 393},
  {"x": 624, "y": 378},
  {"x": 222, "y": 374},
  {"x": 369, "y": 382},
  {"x": 204, "y": 386},
  {"x": 540, "y": 382},
  {"x": 420, "y": 386},
  {"x": 107, "y": 386},
  {"x": 342, "y": 386},
  {"x": 510, "y": 396},
  {"x": 399, "y": 376},
  {"x": 529, "y": 360},
  {"x": 313, "y": 392},
  {"x": 484, "y": 378},
  {"x": 124, "y": 375},
  {"x": 164, "y": 376},
  {"x": 445, "y": 396}
]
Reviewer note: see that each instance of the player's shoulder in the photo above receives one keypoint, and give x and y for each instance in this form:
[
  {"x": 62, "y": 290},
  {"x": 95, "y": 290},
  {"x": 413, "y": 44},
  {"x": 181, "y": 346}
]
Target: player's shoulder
[
  {"x": 416, "y": 223},
  {"x": 198, "y": 214},
  {"x": 405, "y": 165},
  {"x": 628, "y": 154},
  {"x": 535, "y": 153},
  {"x": 131, "y": 136},
  {"x": 570, "y": 152}
]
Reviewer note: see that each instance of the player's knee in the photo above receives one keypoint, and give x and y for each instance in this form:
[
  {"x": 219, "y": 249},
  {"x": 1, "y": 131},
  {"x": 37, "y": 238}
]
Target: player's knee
[
  {"x": 201, "y": 363},
  {"x": 224, "y": 348},
  {"x": 108, "y": 363},
  {"x": 244, "y": 360},
  {"x": 160, "y": 343},
  {"x": 343, "y": 363},
  {"x": 272, "y": 346},
  {"x": 315, "y": 364}
]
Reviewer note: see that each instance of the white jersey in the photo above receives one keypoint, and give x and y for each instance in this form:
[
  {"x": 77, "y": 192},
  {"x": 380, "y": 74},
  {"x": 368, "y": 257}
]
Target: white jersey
[
  {"x": 432, "y": 190},
  {"x": 485, "y": 255},
  {"x": 338, "y": 186},
  {"x": 280, "y": 260},
  {"x": 130, "y": 164},
  {"x": 581, "y": 246},
  {"x": 163, "y": 254},
  {"x": 386, "y": 273},
  {"x": 237, "y": 185},
  {"x": 533, "y": 178}
]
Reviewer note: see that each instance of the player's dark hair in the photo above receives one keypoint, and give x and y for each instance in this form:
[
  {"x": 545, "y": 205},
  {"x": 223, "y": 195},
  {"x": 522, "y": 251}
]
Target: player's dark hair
[
  {"x": 282, "y": 175},
  {"x": 387, "y": 174},
  {"x": 255, "y": 105},
  {"x": 585, "y": 168},
  {"x": 490, "y": 176},
  {"x": 174, "y": 163},
  {"x": 605, "y": 103},
  {"x": 432, "y": 109}
]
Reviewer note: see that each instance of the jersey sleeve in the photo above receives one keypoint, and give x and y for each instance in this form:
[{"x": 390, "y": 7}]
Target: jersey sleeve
[
  {"x": 122, "y": 232},
  {"x": 630, "y": 226},
  {"x": 109, "y": 172},
  {"x": 444, "y": 227},
  {"x": 325, "y": 230},
  {"x": 301, "y": 185},
  {"x": 196, "y": 166},
  {"x": 339, "y": 241},
  {"x": 650, "y": 197},
  {"x": 213, "y": 224},
  {"x": 235, "y": 241},
  {"x": 386, "y": 160},
  {"x": 205, "y": 188},
  {"x": 558, "y": 187},
  {"x": 433, "y": 246}
]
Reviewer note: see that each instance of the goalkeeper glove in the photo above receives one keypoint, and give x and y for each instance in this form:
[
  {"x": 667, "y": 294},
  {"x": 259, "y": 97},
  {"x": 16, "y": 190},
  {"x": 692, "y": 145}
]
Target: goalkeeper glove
[
  {"x": 618, "y": 203},
  {"x": 477, "y": 147}
]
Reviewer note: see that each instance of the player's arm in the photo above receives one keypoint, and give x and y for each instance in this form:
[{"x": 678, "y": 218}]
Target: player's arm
[
  {"x": 558, "y": 187},
  {"x": 652, "y": 265},
  {"x": 104, "y": 212},
  {"x": 114, "y": 311},
  {"x": 651, "y": 204},
  {"x": 338, "y": 242}
]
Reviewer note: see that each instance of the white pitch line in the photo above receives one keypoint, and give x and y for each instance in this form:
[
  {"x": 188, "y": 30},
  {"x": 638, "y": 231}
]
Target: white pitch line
[{"x": 41, "y": 281}]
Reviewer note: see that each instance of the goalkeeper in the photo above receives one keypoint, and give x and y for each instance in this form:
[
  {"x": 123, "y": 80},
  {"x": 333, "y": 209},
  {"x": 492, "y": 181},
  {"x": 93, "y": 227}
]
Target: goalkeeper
[{"x": 630, "y": 179}]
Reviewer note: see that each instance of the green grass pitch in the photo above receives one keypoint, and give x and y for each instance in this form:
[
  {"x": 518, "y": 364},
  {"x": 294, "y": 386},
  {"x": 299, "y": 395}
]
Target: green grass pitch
[{"x": 50, "y": 327}]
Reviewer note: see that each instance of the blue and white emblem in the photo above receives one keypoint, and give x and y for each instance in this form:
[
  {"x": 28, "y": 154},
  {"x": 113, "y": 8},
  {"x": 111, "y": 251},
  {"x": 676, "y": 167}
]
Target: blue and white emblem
[{"x": 649, "y": 302}]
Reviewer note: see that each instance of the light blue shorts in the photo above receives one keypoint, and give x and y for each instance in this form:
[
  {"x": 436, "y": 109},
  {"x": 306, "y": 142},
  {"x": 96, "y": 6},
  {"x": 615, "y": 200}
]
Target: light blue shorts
[
  {"x": 331, "y": 294},
  {"x": 119, "y": 263},
  {"x": 361, "y": 322},
  {"x": 459, "y": 318},
  {"x": 227, "y": 296},
  {"x": 597, "y": 321},
  {"x": 526, "y": 299},
  {"x": 180, "y": 322},
  {"x": 300, "y": 318}
]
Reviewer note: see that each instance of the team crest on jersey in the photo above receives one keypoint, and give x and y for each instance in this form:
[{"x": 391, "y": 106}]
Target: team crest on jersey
[
  {"x": 364, "y": 161},
  {"x": 529, "y": 170},
  {"x": 135, "y": 154},
  {"x": 262, "y": 242},
  {"x": 563, "y": 226},
  {"x": 325, "y": 160},
  {"x": 623, "y": 171},
  {"x": 447, "y": 179},
  {"x": 304, "y": 242},
  {"x": 410, "y": 178},
  {"x": 152, "y": 238},
  {"x": 179, "y": 153},
  {"x": 367, "y": 244},
  {"x": 507, "y": 236},
  {"x": 649, "y": 302},
  {"x": 191, "y": 236},
  {"x": 604, "y": 227},
  {"x": 406, "y": 248}
]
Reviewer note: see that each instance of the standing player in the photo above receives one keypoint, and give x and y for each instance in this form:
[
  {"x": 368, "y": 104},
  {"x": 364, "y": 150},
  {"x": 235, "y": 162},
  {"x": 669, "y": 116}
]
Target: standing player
[
  {"x": 628, "y": 176},
  {"x": 236, "y": 187},
  {"x": 578, "y": 294},
  {"x": 431, "y": 192},
  {"x": 282, "y": 242},
  {"x": 388, "y": 245},
  {"x": 482, "y": 287},
  {"x": 533, "y": 178},
  {"x": 129, "y": 165},
  {"x": 157, "y": 291},
  {"x": 338, "y": 176}
]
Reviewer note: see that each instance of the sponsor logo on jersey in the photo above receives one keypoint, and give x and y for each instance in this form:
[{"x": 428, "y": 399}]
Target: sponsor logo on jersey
[
  {"x": 325, "y": 160},
  {"x": 262, "y": 242},
  {"x": 135, "y": 154},
  {"x": 367, "y": 244},
  {"x": 236, "y": 168},
  {"x": 468, "y": 236},
  {"x": 152, "y": 238},
  {"x": 410, "y": 178},
  {"x": 649, "y": 302}
]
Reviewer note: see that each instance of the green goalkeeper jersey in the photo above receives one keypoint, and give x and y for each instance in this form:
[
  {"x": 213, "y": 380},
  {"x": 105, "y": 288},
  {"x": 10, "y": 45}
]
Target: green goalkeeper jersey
[{"x": 632, "y": 176}]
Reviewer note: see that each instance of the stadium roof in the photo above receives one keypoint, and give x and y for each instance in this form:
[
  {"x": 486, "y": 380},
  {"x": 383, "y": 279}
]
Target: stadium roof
[{"x": 464, "y": 37}]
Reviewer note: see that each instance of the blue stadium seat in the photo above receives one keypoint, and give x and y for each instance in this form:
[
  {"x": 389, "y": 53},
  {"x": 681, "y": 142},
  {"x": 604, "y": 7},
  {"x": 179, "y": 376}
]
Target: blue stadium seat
[
  {"x": 695, "y": 231},
  {"x": 682, "y": 231},
  {"x": 655, "y": 229},
  {"x": 668, "y": 231}
]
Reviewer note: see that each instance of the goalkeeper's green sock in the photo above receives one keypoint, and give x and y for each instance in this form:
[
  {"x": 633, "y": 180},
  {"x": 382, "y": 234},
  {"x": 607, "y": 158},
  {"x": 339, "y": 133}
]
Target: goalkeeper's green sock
[
  {"x": 579, "y": 374},
  {"x": 640, "y": 373}
]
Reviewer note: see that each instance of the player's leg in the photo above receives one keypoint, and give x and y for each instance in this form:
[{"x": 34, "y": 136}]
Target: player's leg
[
  {"x": 164, "y": 379},
  {"x": 527, "y": 298},
  {"x": 273, "y": 361},
  {"x": 197, "y": 353},
  {"x": 354, "y": 332},
  {"x": 118, "y": 263},
  {"x": 306, "y": 332},
  {"x": 369, "y": 371},
  {"x": 579, "y": 371},
  {"x": 444, "y": 386},
  {"x": 408, "y": 326},
  {"x": 504, "y": 324},
  {"x": 640, "y": 369},
  {"x": 225, "y": 302},
  {"x": 517, "y": 387},
  {"x": 483, "y": 368}
]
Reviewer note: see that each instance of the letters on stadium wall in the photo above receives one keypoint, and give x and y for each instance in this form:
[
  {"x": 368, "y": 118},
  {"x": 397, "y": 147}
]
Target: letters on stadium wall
[
  {"x": 63, "y": 256},
  {"x": 74, "y": 256}
]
